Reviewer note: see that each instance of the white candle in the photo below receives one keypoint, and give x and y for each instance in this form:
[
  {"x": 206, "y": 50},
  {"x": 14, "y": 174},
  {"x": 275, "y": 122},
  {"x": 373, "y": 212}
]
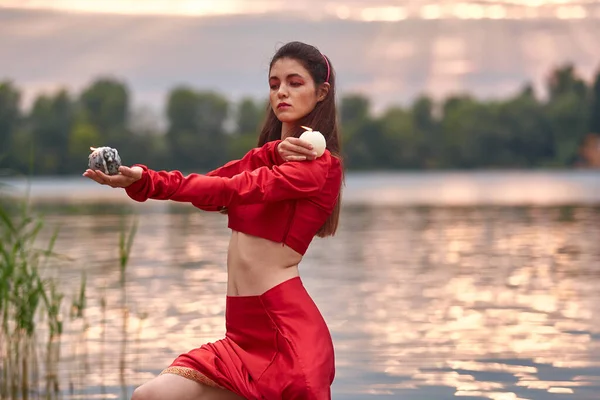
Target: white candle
[{"x": 315, "y": 138}]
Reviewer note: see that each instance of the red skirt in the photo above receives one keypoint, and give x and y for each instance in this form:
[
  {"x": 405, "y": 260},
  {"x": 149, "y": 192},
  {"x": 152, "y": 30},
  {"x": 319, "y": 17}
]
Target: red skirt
[{"x": 277, "y": 346}]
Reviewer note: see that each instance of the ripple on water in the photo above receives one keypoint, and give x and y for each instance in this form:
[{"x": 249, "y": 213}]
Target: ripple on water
[{"x": 483, "y": 303}]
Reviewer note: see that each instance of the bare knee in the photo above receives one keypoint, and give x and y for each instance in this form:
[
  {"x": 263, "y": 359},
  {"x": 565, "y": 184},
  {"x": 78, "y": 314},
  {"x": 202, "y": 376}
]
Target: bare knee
[
  {"x": 174, "y": 387},
  {"x": 142, "y": 393}
]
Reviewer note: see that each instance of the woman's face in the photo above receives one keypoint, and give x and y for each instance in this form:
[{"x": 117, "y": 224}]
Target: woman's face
[{"x": 293, "y": 94}]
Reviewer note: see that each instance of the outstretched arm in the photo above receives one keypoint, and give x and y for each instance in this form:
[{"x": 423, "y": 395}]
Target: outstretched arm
[
  {"x": 288, "y": 181},
  {"x": 272, "y": 154}
]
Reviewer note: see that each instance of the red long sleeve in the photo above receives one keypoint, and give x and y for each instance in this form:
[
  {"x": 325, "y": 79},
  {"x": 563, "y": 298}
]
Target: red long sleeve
[
  {"x": 289, "y": 181},
  {"x": 265, "y": 156}
]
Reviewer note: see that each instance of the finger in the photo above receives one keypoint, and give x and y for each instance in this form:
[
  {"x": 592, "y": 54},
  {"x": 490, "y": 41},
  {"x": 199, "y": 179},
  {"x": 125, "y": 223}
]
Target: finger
[
  {"x": 89, "y": 172},
  {"x": 126, "y": 171},
  {"x": 93, "y": 176},
  {"x": 298, "y": 150},
  {"x": 296, "y": 158},
  {"x": 301, "y": 143},
  {"x": 296, "y": 145},
  {"x": 107, "y": 180},
  {"x": 110, "y": 180},
  {"x": 291, "y": 149},
  {"x": 119, "y": 180},
  {"x": 285, "y": 146},
  {"x": 114, "y": 181},
  {"x": 134, "y": 173},
  {"x": 102, "y": 177}
]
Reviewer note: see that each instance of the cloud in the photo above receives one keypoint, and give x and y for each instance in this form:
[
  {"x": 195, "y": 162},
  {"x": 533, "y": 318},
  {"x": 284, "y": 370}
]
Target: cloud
[{"x": 389, "y": 62}]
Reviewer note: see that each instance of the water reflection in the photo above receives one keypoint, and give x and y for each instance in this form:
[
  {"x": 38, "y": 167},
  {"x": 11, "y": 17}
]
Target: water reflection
[{"x": 423, "y": 302}]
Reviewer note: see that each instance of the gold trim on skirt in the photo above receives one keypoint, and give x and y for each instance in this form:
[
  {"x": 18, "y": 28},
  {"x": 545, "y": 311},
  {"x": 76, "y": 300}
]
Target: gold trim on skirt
[{"x": 191, "y": 374}]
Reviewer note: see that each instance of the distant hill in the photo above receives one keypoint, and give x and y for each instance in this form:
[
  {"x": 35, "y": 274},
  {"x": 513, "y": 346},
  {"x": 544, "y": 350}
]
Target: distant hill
[{"x": 390, "y": 62}]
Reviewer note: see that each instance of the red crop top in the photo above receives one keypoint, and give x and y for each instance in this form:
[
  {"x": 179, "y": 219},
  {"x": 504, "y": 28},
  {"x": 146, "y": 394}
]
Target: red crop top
[{"x": 284, "y": 202}]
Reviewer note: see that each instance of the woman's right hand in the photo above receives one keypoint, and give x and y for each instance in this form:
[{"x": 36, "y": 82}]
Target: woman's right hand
[
  {"x": 294, "y": 149},
  {"x": 126, "y": 177}
]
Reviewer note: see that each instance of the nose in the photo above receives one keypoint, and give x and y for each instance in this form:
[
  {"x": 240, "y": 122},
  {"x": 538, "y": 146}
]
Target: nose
[{"x": 282, "y": 93}]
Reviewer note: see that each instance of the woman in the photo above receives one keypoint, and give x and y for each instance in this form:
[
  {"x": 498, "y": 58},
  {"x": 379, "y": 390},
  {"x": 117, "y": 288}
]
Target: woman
[{"x": 278, "y": 197}]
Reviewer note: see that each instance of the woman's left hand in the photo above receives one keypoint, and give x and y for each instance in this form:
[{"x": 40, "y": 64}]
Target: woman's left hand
[{"x": 294, "y": 149}]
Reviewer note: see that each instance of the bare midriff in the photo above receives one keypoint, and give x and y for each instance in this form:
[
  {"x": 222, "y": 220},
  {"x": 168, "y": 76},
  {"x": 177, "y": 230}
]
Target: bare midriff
[{"x": 254, "y": 265}]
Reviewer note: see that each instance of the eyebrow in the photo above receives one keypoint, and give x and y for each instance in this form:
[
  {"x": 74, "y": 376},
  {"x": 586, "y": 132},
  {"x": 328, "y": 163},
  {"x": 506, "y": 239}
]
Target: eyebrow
[{"x": 294, "y": 75}]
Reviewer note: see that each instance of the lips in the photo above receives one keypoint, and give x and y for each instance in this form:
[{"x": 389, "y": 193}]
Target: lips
[{"x": 283, "y": 105}]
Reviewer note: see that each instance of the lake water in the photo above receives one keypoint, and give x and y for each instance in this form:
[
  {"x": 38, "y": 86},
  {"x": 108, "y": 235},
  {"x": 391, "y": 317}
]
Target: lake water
[{"x": 438, "y": 285}]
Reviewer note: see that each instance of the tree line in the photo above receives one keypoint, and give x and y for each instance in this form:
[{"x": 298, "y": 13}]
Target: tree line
[{"x": 204, "y": 130}]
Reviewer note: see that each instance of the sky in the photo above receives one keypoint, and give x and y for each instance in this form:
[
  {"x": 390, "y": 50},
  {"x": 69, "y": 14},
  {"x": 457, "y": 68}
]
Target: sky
[
  {"x": 390, "y": 51},
  {"x": 367, "y": 10}
]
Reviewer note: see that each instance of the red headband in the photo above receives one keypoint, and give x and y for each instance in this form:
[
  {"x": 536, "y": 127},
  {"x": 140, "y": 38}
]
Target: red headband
[{"x": 328, "y": 69}]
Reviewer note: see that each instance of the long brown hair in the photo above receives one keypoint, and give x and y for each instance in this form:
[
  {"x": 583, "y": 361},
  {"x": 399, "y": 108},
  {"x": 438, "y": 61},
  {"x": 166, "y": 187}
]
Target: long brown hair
[{"x": 322, "y": 118}]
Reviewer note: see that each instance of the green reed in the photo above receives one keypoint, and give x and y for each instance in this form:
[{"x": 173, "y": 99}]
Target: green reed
[
  {"x": 22, "y": 293},
  {"x": 27, "y": 297},
  {"x": 125, "y": 245}
]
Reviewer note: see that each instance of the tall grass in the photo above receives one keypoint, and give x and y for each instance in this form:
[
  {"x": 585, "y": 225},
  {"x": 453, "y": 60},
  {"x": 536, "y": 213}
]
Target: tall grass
[
  {"x": 125, "y": 244},
  {"x": 28, "y": 296}
]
